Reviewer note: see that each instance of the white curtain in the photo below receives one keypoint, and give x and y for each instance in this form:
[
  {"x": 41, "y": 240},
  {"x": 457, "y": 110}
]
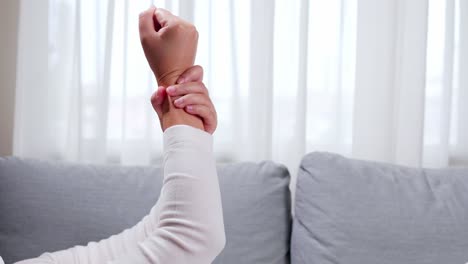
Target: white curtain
[{"x": 385, "y": 80}]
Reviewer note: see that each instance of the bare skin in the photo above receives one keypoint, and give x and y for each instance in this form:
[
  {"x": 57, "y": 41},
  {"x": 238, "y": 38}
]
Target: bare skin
[
  {"x": 189, "y": 94},
  {"x": 170, "y": 46}
]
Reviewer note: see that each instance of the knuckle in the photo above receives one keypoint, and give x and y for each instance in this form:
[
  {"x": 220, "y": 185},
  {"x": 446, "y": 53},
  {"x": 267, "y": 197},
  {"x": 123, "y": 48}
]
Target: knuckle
[
  {"x": 204, "y": 89},
  {"x": 194, "y": 98},
  {"x": 143, "y": 14},
  {"x": 208, "y": 111},
  {"x": 184, "y": 90},
  {"x": 187, "y": 29},
  {"x": 194, "y": 31},
  {"x": 179, "y": 26},
  {"x": 195, "y": 34},
  {"x": 173, "y": 28},
  {"x": 191, "y": 30},
  {"x": 214, "y": 113}
]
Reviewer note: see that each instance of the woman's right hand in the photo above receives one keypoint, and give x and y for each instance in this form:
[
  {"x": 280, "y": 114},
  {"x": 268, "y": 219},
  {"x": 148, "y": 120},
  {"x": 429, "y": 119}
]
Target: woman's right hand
[
  {"x": 169, "y": 43},
  {"x": 191, "y": 95}
]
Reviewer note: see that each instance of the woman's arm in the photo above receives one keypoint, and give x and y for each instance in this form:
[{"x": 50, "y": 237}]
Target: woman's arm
[
  {"x": 185, "y": 226},
  {"x": 190, "y": 228}
]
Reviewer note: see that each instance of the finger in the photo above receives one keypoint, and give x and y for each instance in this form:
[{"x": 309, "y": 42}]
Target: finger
[
  {"x": 158, "y": 96},
  {"x": 193, "y": 99},
  {"x": 187, "y": 88},
  {"x": 163, "y": 17},
  {"x": 193, "y": 74},
  {"x": 146, "y": 23},
  {"x": 206, "y": 113},
  {"x": 157, "y": 100},
  {"x": 175, "y": 97},
  {"x": 161, "y": 94}
]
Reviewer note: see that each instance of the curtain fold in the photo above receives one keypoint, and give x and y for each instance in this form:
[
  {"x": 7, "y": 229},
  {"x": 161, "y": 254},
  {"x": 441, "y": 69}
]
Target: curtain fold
[
  {"x": 390, "y": 81},
  {"x": 383, "y": 80},
  {"x": 410, "y": 81},
  {"x": 32, "y": 78},
  {"x": 373, "y": 131},
  {"x": 260, "y": 97},
  {"x": 460, "y": 148}
]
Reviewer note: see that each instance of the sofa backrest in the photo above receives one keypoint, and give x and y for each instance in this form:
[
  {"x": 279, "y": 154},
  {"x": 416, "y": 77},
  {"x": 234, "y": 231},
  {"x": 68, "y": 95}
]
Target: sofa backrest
[
  {"x": 49, "y": 206},
  {"x": 359, "y": 212}
]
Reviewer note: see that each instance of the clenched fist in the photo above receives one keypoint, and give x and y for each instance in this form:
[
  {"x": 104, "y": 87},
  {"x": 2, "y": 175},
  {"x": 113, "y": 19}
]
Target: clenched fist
[{"x": 169, "y": 43}]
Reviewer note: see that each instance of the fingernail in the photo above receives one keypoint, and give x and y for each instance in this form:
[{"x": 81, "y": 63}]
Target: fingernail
[
  {"x": 170, "y": 89},
  {"x": 190, "y": 108},
  {"x": 179, "y": 101},
  {"x": 181, "y": 80}
]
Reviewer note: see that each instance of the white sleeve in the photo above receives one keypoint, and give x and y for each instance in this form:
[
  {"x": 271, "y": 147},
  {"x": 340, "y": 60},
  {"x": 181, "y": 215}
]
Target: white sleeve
[{"x": 186, "y": 224}]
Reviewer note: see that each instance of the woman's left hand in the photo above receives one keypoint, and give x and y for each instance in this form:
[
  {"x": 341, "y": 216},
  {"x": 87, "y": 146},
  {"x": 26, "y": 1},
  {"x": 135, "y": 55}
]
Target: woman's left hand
[
  {"x": 169, "y": 43},
  {"x": 190, "y": 94}
]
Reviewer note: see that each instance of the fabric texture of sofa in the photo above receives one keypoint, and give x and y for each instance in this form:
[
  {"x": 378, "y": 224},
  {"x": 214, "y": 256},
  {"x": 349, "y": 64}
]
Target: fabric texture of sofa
[
  {"x": 48, "y": 206},
  {"x": 359, "y": 212},
  {"x": 346, "y": 211}
]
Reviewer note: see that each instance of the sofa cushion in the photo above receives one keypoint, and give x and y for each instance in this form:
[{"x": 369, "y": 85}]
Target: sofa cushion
[
  {"x": 49, "y": 206},
  {"x": 359, "y": 212}
]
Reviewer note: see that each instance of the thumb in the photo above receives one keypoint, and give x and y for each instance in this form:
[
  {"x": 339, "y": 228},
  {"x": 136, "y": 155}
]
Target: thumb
[
  {"x": 146, "y": 23},
  {"x": 157, "y": 100},
  {"x": 163, "y": 17}
]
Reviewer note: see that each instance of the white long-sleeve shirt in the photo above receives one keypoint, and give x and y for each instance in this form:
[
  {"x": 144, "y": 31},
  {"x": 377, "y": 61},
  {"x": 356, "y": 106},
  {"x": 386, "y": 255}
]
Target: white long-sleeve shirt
[{"x": 186, "y": 224}]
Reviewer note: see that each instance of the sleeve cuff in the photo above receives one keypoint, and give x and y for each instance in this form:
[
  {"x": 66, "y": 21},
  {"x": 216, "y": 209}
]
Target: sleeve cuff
[{"x": 187, "y": 136}]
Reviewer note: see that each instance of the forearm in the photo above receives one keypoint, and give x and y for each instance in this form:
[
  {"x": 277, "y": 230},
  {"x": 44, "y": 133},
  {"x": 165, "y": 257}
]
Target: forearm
[
  {"x": 105, "y": 250},
  {"x": 190, "y": 227}
]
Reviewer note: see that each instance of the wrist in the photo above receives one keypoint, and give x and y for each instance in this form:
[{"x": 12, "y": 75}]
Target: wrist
[
  {"x": 171, "y": 115},
  {"x": 180, "y": 117},
  {"x": 169, "y": 78}
]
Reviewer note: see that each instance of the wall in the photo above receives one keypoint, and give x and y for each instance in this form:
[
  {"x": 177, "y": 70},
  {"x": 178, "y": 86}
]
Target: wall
[{"x": 9, "y": 10}]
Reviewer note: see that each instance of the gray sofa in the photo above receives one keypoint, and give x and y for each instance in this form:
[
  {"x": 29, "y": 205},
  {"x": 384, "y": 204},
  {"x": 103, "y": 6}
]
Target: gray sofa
[{"x": 346, "y": 211}]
